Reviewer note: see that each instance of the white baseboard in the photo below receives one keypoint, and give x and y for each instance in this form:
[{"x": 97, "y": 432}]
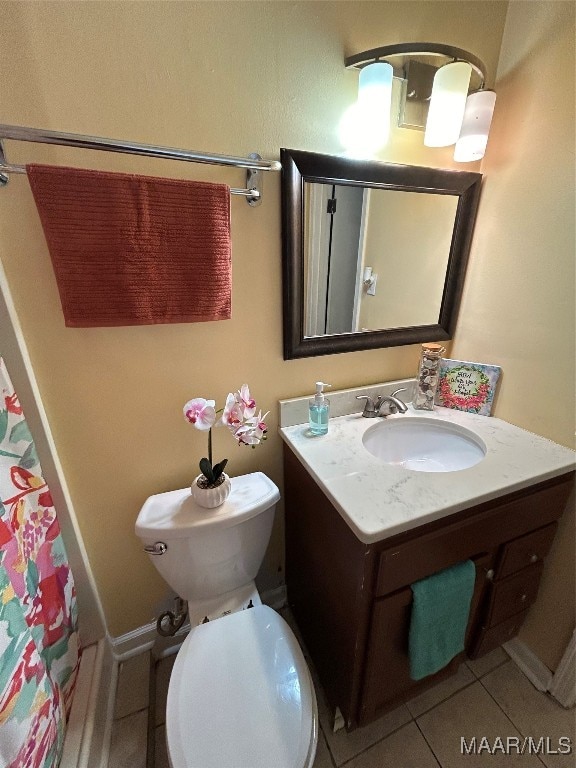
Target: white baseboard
[
  {"x": 78, "y": 725},
  {"x": 105, "y": 711},
  {"x": 133, "y": 643},
  {"x": 535, "y": 670},
  {"x": 563, "y": 686},
  {"x": 146, "y": 638},
  {"x": 87, "y": 740}
]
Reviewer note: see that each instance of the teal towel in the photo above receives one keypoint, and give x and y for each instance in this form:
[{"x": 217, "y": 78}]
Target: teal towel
[{"x": 440, "y": 609}]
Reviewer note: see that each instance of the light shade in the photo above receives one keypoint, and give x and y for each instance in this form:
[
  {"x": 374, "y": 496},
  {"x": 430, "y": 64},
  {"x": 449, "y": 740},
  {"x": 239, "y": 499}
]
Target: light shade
[
  {"x": 375, "y": 98},
  {"x": 447, "y": 104},
  {"x": 471, "y": 144}
]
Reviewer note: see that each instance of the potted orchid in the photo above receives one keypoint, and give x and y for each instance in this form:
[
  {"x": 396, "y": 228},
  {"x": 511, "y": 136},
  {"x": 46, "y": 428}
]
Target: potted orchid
[{"x": 212, "y": 486}]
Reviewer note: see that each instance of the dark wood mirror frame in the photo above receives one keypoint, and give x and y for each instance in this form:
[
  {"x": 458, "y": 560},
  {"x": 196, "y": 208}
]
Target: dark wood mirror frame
[{"x": 299, "y": 167}]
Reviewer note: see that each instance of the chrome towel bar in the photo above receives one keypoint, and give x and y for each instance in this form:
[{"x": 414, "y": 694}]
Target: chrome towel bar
[{"x": 253, "y": 164}]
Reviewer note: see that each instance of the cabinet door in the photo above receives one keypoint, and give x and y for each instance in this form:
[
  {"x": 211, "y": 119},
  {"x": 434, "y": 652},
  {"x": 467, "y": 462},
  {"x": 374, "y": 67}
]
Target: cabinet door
[
  {"x": 490, "y": 638},
  {"x": 387, "y": 679}
]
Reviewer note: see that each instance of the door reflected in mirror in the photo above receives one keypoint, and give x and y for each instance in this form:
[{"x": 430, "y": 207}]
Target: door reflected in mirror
[{"x": 373, "y": 258}]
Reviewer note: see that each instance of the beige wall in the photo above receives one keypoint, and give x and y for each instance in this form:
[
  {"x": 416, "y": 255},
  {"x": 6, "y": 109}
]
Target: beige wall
[
  {"x": 518, "y": 308},
  {"x": 222, "y": 77}
]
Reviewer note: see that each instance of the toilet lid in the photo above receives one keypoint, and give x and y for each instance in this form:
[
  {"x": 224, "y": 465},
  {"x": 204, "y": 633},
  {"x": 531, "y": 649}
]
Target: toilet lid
[
  {"x": 175, "y": 514},
  {"x": 240, "y": 696}
]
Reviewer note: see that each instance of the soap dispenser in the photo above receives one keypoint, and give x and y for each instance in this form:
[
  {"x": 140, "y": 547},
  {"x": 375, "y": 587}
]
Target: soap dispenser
[{"x": 319, "y": 408}]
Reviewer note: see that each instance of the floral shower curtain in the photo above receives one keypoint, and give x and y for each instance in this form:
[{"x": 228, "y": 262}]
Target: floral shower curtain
[{"x": 39, "y": 652}]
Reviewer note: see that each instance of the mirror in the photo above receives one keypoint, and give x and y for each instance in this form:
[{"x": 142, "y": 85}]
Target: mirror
[{"x": 374, "y": 254}]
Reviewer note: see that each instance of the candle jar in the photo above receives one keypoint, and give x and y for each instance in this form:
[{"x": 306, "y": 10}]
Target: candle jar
[{"x": 427, "y": 378}]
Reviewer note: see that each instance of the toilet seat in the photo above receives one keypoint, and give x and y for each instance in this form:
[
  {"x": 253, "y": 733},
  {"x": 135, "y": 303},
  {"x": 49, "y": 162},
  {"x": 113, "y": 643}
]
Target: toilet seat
[{"x": 241, "y": 696}]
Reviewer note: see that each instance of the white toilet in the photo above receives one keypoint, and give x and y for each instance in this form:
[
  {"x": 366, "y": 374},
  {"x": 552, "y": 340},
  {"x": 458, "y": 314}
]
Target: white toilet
[{"x": 240, "y": 693}]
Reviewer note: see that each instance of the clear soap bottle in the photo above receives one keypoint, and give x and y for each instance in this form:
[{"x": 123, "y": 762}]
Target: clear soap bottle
[
  {"x": 319, "y": 410},
  {"x": 427, "y": 378}
]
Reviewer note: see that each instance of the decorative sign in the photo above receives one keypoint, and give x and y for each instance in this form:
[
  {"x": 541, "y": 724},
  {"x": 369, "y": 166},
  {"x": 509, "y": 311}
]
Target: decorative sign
[{"x": 467, "y": 386}]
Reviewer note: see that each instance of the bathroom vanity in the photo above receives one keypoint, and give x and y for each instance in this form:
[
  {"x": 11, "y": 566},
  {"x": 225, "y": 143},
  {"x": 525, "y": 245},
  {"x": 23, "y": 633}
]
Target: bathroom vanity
[{"x": 359, "y": 532}]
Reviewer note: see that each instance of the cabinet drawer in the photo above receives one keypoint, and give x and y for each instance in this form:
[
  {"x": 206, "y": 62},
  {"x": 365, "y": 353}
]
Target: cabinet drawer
[
  {"x": 526, "y": 550},
  {"x": 493, "y": 637},
  {"x": 483, "y": 529},
  {"x": 514, "y": 594}
]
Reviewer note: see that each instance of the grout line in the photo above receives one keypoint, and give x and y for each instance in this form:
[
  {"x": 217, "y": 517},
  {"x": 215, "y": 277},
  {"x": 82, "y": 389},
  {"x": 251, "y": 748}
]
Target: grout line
[
  {"x": 378, "y": 741},
  {"x": 500, "y": 664},
  {"x": 415, "y": 718},
  {"x": 469, "y": 685},
  {"x": 434, "y": 755},
  {"x": 454, "y": 693},
  {"x": 412, "y": 719},
  {"x": 135, "y": 712},
  {"x": 320, "y": 693},
  {"x": 450, "y": 695},
  {"x": 321, "y": 732},
  {"x": 506, "y": 715},
  {"x": 477, "y": 679}
]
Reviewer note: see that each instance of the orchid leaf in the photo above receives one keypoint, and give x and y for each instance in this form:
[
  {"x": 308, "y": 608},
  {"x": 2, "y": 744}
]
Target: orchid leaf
[
  {"x": 218, "y": 469},
  {"x": 206, "y": 469}
]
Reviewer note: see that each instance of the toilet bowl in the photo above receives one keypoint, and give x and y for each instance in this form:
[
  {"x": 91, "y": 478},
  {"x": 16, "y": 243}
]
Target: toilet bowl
[{"x": 240, "y": 693}]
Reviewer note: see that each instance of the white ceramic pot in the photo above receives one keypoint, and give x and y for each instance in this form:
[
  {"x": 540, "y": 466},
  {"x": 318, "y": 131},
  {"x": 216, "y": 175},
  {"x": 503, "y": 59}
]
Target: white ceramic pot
[{"x": 210, "y": 497}]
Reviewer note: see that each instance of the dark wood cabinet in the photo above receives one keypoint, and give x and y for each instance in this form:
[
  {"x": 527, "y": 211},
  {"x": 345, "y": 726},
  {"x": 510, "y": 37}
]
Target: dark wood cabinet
[
  {"x": 386, "y": 676},
  {"x": 514, "y": 588},
  {"x": 352, "y": 601}
]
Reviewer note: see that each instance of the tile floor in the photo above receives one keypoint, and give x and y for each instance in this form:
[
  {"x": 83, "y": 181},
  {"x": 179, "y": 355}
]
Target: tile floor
[{"x": 488, "y": 698}]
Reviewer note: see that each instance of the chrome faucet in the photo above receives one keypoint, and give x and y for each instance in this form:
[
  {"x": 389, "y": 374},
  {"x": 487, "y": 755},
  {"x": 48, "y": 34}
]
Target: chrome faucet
[
  {"x": 394, "y": 404},
  {"x": 389, "y": 403}
]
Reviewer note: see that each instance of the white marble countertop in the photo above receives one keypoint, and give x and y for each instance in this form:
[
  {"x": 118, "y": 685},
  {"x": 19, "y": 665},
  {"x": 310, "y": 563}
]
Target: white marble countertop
[{"x": 378, "y": 500}]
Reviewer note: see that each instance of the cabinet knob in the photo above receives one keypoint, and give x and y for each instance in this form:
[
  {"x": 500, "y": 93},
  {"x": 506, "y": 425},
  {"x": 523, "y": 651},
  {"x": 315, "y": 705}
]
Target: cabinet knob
[
  {"x": 534, "y": 558},
  {"x": 490, "y": 574},
  {"x": 523, "y": 598}
]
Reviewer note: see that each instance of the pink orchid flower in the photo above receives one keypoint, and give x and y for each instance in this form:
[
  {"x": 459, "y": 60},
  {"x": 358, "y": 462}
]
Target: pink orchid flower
[
  {"x": 252, "y": 431},
  {"x": 233, "y": 415},
  {"x": 238, "y": 414},
  {"x": 200, "y": 412},
  {"x": 247, "y": 403}
]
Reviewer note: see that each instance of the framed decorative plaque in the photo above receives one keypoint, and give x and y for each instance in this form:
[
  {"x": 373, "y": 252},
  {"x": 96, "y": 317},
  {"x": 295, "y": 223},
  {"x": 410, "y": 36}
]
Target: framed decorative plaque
[{"x": 467, "y": 386}]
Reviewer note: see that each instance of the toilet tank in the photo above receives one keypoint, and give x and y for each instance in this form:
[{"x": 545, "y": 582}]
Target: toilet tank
[{"x": 208, "y": 552}]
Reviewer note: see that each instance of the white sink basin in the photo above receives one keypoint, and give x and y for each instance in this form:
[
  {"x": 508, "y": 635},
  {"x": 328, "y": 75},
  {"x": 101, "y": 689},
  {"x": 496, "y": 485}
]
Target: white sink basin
[{"x": 424, "y": 444}]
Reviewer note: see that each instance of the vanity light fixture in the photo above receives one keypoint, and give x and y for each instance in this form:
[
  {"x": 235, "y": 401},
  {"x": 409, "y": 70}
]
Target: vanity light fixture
[
  {"x": 471, "y": 144},
  {"x": 447, "y": 104},
  {"x": 442, "y": 93},
  {"x": 375, "y": 97}
]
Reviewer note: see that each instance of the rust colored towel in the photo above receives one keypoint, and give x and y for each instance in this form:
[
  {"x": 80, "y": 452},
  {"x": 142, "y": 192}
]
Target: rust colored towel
[{"x": 135, "y": 250}]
